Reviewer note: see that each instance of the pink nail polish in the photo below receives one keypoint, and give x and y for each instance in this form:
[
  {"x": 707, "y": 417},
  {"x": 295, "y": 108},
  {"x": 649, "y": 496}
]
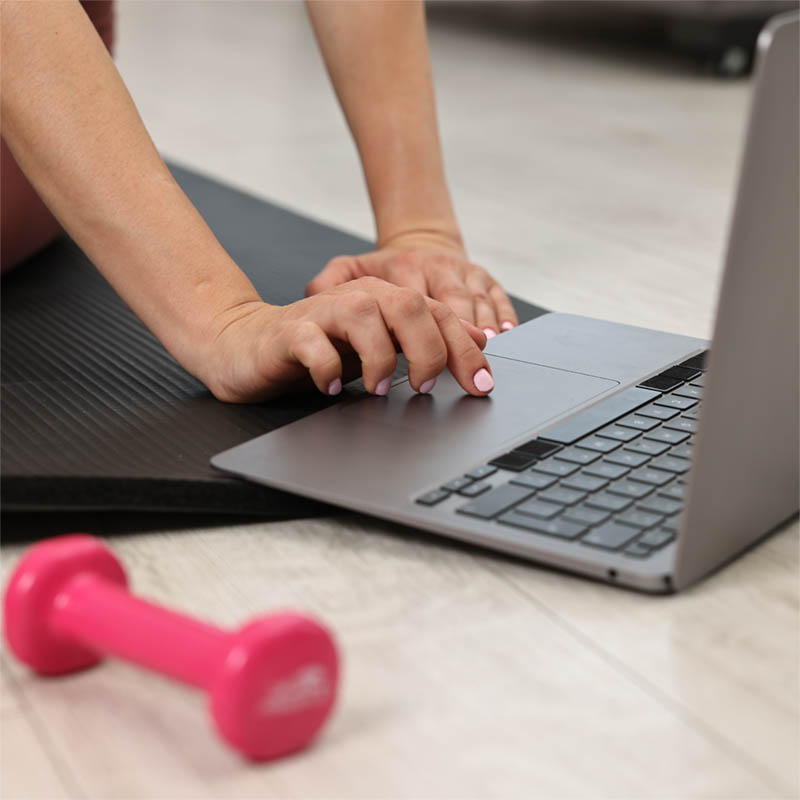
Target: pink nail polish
[
  {"x": 383, "y": 387},
  {"x": 507, "y": 326},
  {"x": 489, "y": 333},
  {"x": 427, "y": 386},
  {"x": 483, "y": 380},
  {"x": 335, "y": 386}
]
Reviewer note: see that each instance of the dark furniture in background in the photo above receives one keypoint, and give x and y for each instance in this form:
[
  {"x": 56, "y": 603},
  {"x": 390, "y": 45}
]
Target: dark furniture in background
[
  {"x": 722, "y": 32},
  {"x": 718, "y": 35}
]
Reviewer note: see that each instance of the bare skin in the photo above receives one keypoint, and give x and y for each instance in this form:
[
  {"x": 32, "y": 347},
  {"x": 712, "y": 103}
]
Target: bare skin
[{"x": 75, "y": 132}]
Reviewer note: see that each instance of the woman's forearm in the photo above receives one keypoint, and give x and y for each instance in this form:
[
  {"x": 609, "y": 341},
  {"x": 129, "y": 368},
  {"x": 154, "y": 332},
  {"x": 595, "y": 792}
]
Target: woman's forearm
[
  {"x": 75, "y": 132},
  {"x": 377, "y": 56}
]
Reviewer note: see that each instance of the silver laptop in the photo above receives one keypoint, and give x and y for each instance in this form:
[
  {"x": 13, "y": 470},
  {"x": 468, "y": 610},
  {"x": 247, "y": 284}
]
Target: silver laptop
[{"x": 637, "y": 457}]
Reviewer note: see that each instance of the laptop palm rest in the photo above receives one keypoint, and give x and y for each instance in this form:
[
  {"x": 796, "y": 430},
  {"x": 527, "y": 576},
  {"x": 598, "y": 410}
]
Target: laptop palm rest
[{"x": 374, "y": 449}]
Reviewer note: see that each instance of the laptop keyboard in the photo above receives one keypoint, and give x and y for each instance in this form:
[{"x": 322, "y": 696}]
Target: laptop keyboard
[{"x": 610, "y": 477}]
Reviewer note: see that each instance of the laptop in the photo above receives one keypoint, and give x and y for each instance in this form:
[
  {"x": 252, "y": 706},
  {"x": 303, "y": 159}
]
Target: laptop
[{"x": 637, "y": 457}]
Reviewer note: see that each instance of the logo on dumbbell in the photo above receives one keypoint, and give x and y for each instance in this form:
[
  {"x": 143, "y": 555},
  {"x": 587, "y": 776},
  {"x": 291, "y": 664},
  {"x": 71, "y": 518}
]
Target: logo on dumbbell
[{"x": 307, "y": 687}]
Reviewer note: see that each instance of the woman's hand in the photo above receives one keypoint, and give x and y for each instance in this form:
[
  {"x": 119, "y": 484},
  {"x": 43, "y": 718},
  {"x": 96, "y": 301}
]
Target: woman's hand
[
  {"x": 261, "y": 350},
  {"x": 434, "y": 266}
]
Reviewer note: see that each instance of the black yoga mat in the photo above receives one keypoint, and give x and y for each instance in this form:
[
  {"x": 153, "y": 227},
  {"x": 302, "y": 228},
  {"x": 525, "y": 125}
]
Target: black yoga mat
[{"x": 97, "y": 416}]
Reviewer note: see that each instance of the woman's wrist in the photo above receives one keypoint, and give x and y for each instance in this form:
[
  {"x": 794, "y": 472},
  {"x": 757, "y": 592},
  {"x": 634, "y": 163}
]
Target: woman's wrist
[
  {"x": 199, "y": 341},
  {"x": 221, "y": 352},
  {"x": 430, "y": 236}
]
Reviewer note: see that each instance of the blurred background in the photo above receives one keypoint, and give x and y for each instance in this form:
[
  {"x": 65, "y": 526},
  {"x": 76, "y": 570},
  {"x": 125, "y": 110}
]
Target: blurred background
[
  {"x": 583, "y": 140},
  {"x": 719, "y": 36}
]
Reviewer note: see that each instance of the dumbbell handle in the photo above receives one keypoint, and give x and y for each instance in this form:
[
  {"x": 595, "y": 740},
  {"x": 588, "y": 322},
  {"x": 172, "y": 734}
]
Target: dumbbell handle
[{"x": 107, "y": 618}]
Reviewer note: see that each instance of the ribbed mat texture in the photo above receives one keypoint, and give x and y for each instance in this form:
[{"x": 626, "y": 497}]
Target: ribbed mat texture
[{"x": 97, "y": 415}]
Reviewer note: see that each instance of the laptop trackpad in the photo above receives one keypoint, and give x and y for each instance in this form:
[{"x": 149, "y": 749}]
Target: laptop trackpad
[{"x": 526, "y": 397}]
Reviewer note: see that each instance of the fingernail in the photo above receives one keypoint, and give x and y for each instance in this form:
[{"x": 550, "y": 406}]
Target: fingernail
[
  {"x": 489, "y": 333},
  {"x": 383, "y": 387},
  {"x": 483, "y": 380},
  {"x": 507, "y": 326},
  {"x": 335, "y": 386},
  {"x": 427, "y": 386}
]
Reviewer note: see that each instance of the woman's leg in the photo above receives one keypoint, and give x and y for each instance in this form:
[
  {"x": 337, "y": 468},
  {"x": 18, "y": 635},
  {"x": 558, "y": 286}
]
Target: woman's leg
[{"x": 26, "y": 225}]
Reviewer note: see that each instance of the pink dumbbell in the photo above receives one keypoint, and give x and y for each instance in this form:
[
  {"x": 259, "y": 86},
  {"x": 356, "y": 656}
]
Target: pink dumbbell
[{"x": 272, "y": 682}]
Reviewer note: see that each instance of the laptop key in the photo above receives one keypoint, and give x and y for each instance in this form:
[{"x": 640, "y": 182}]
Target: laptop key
[
  {"x": 620, "y": 434},
  {"x": 694, "y": 392},
  {"x": 700, "y": 381},
  {"x": 638, "y": 422},
  {"x": 584, "y": 515},
  {"x": 457, "y": 484},
  {"x": 559, "y": 494},
  {"x": 671, "y": 464},
  {"x": 675, "y": 490},
  {"x": 534, "y": 480},
  {"x": 491, "y": 503},
  {"x": 654, "y": 477},
  {"x": 538, "y": 448},
  {"x": 657, "y": 538},
  {"x": 553, "y": 467},
  {"x": 538, "y": 508},
  {"x": 658, "y": 412},
  {"x": 610, "y": 536},
  {"x": 513, "y": 461},
  {"x": 432, "y": 498},
  {"x": 474, "y": 489},
  {"x": 660, "y": 383},
  {"x": 627, "y": 458},
  {"x": 577, "y": 456},
  {"x": 554, "y": 527},
  {"x": 638, "y": 550},
  {"x": 667, "y": 436},
  {"x": 584, "y": 483},
  {"x": 630, "y": 489},
  {"x": 599, "y": 445},
  {"x": 599, "y": 415},
  {"x": 681, "y": 424},
  {"x": 647, "y": 447},
  {"x": 672, "y": 401},
  {"x": 608, "y": 502},
  {"x": 605, "y": 470},
  {"x": 638, "y": 518},
  {"x": 482, "y": 472},
  {"x": 681, "y": 450},
  {"x": 661, "y": 505},
  {"x": 692, "y": 413},
  {"x": 682, "y": 372},
  {"x": 671, "y": 524},
  {"x": 696, "y": 362}
]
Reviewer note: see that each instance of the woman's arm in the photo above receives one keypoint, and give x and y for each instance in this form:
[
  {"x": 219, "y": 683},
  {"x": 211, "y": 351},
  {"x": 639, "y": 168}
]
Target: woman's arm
[
  {"x": 73, "y": 129},
  {"x": 377, "y": 56}
]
